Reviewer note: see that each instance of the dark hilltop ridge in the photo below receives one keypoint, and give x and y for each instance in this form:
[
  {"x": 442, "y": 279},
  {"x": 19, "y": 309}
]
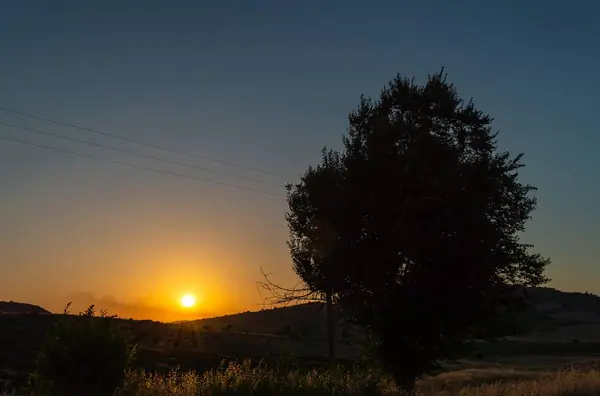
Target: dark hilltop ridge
[{"x": 17, "y": 308}]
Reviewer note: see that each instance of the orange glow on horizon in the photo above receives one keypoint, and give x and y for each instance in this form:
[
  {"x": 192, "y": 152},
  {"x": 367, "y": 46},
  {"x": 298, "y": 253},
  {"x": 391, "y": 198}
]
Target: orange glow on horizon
[{"x": 145, "y": 269}]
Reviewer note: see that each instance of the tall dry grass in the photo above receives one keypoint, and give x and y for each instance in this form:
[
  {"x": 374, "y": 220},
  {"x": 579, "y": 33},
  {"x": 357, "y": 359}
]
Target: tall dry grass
[
  {"x": 243, "y": 379},
  {"x": 565, "y": 383}
]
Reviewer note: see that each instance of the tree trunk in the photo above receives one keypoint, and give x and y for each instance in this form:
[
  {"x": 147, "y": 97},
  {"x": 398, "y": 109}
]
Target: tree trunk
[
  {"x": 406, "y": 384},
  {"x": 330, "y": 326}
]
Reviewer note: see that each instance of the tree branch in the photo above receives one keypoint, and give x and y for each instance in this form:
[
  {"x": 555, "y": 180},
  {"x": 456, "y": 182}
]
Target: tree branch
[{"x": 282, "y": 296}]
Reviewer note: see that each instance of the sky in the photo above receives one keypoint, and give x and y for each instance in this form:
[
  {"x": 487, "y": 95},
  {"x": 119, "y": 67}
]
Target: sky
[{"x": 263, "y": 85}]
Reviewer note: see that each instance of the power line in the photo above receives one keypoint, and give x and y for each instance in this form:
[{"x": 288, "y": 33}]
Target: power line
[
  {"x": 41, "y": 132},
  {"x": 147, "y": 168},
  {"x": 136, "y": 141}
]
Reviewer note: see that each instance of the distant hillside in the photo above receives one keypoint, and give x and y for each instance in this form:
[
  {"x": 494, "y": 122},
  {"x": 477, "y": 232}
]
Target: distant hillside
[
  {"x": 565, "y": 315},
  {"x": 552, "y": 300},
  {"x": 309, "y": 316},
  {"x": 17, "y": 308},
  {"x": 303, "y": 320},
  {"x": 549, "y": 309},
  {"x": 565, "y": 308}
]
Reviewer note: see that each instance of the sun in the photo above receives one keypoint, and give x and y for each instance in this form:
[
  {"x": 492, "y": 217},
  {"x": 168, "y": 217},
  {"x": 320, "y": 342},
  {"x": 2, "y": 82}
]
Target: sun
[{"x": 188, "y": 301}]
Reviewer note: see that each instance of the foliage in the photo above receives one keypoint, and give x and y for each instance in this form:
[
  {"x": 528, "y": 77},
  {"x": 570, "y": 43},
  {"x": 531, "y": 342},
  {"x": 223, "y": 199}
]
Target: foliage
[
  {"x": 84, "y": 354},
  {"x": 313, "y": 239},
  {"x": 415, "y": 226}
]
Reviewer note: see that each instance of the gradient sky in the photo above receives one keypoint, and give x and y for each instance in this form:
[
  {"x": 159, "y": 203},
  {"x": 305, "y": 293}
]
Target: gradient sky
[{"x": 265, "y": 84}]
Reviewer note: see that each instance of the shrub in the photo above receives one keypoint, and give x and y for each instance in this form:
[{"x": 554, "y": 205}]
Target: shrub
[{"x": 85, "y": 354}]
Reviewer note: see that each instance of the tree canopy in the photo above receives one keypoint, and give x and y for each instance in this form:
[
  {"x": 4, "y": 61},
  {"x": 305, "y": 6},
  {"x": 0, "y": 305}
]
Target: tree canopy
[{"x": 415, "y": 226}]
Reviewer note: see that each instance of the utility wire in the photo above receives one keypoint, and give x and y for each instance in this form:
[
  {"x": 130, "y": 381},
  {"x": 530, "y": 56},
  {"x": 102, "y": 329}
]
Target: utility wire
[
  {"x": 147, "y": 168},
  {"x": 56, "y": 135},
  {"x": 136, "y": 141}
]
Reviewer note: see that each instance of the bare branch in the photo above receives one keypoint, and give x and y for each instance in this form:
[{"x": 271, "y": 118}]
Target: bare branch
[{"x": 282, "y": 296}]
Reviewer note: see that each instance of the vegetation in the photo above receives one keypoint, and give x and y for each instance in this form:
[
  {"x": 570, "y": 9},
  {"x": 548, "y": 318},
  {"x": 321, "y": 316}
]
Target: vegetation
[
  {"x": 244, "y": 379},
  {"x": 248, "y": 379},
  {"x": 414, "y": 228},
  {"x": 83, "y": 357},
  {"x": 162, "y": 347}
]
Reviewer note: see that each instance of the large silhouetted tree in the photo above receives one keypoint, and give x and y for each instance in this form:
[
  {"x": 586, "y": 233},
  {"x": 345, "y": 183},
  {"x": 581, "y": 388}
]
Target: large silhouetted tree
[{"x": 415, "y": 226}]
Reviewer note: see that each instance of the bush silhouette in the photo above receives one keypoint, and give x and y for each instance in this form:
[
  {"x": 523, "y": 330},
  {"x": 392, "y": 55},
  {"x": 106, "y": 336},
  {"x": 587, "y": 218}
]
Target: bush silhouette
[{"x": 85, "y": 354}]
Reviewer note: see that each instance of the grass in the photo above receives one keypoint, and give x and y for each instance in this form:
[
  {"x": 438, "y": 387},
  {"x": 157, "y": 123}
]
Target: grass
[
  {"x": 248, "y": 379},
  {"x": 566, "y": 383},
  {"x": 527, "y": 378},
  {"x": 244, "y": 379}
]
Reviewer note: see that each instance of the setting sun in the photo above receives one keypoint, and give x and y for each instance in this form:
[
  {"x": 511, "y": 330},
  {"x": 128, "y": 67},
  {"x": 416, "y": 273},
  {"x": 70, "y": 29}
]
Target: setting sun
[{"x": 188, "y": 301}]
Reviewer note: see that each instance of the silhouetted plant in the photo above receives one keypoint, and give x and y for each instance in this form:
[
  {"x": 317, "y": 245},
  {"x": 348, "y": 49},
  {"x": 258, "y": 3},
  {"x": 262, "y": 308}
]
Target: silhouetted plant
[
  {"x": 414, "y": 228},
  {"x": 84, "y": 355}
]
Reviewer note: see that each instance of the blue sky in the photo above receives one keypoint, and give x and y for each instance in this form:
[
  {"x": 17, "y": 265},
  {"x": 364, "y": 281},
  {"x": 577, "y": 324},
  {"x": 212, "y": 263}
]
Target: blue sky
[{"x": 265, "y": 84}]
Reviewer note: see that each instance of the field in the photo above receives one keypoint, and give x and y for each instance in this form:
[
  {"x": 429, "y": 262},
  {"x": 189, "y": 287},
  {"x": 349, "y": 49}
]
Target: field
[
  {"x": 541, "y": 378},
  {"x": 285, "y": 350},
  {"x": 564, "y": 383},
  {"x": 523, "y": 366}
]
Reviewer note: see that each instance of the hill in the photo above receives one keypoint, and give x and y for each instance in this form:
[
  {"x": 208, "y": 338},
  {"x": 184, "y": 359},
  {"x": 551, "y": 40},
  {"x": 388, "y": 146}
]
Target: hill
[
  {"x": 551, "y": 316},
  {"x": 270, "y": 321},
  {"x": 547, "y": 310},
  {"x": 302, "y": 320},
  {"x": 564, "y": 316},
  {"x": 556, "y": 324},
  {"x": 17, "y": 308},
  {"x": 555, "y": 301}
]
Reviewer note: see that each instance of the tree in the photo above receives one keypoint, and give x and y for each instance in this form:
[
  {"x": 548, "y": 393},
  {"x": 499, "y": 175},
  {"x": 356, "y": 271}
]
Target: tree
[{"x": 415, "y": 226}]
